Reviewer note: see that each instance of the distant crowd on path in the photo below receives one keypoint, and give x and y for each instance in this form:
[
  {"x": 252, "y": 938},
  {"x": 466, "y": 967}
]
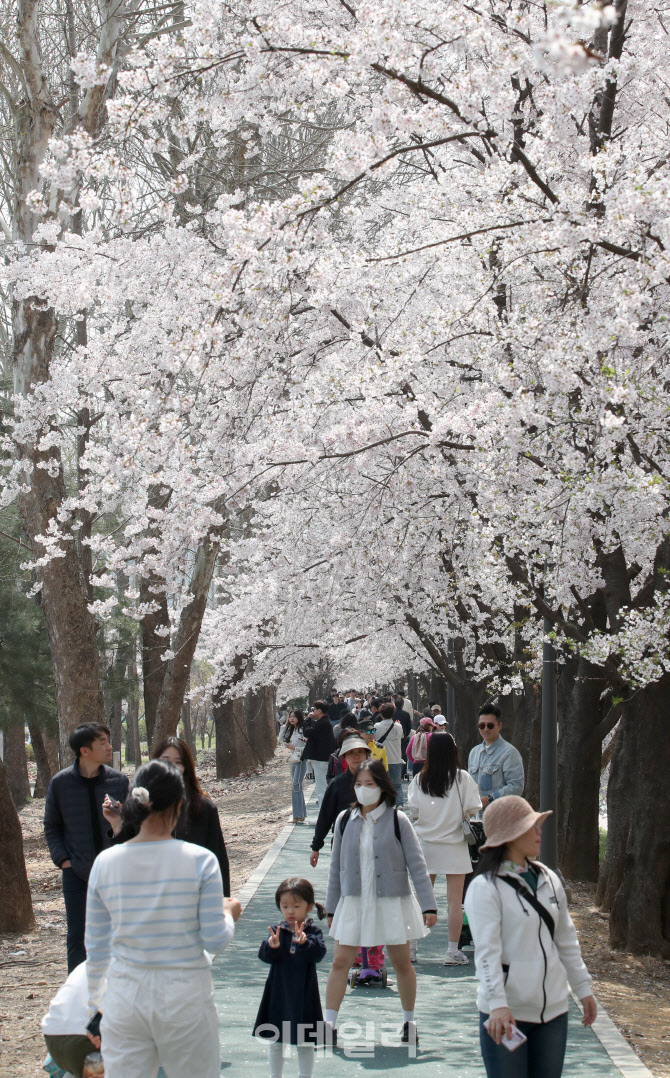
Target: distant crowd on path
[{"x": 145, "y": 876}]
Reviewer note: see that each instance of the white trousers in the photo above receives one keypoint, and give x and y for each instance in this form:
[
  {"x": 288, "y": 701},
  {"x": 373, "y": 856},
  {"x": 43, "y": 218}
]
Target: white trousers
[
  {"x": 159, "y": 1017},
  {"x": 320, "y": 768}
]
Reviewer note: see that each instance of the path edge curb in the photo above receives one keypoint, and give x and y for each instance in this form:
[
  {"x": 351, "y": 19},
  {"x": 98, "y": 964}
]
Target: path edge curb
[
  {"x": 624, "y": 1058},
  {"x": 247, "y": 892}
]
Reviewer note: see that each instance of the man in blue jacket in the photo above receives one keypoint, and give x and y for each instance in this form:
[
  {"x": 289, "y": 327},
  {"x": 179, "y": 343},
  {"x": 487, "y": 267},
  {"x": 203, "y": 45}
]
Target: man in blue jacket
[
  {"x": 495, "y": 765},
  {"x": 74, "y": 827}
]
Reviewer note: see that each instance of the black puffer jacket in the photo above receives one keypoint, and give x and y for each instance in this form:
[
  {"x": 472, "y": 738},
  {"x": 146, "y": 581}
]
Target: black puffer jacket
[{"x": 68, "y": 825}]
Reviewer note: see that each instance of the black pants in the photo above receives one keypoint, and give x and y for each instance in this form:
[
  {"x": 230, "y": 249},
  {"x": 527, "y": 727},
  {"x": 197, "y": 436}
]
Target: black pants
[{"x": 74, "y": 896}]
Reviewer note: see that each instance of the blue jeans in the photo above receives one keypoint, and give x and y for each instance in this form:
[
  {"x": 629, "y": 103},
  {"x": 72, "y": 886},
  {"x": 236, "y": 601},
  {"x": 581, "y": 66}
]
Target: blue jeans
[
  {"x": 541, "y": 1056},
  {"x": 297, "y": 797},
  {"x": 74, "y": 897},
  {"x": 395, "y": 775}
]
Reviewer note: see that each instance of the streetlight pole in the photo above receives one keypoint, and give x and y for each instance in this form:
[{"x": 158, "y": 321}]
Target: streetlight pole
[{"x": 548, "y": 771}]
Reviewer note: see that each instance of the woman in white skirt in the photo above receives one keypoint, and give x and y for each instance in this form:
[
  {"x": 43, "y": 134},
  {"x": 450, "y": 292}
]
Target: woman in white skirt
[
  {"x": 439, "y": 797},
  {"x": 369, "y": 899}
]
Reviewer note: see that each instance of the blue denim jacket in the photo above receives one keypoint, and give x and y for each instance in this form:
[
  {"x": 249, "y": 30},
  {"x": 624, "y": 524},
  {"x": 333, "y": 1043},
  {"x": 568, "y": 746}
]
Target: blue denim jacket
[{"x": 497, "y": 770}]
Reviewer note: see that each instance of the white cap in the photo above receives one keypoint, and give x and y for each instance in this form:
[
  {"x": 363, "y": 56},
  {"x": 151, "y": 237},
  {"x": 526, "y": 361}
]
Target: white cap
[{"x": 439, "y": 720}]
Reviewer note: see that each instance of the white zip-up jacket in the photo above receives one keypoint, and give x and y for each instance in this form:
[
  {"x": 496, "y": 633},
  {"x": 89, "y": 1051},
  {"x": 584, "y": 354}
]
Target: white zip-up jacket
[{"x": 516, "y": 962}]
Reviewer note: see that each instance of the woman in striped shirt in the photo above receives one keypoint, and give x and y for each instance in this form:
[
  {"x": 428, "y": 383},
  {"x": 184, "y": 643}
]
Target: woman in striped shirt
[{"x": 155, "y": 913}]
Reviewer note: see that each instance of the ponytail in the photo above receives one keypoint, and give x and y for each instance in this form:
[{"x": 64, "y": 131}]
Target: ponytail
[
  {"x": 156, "y": 787},
  {"x": 321, "y": 910}
]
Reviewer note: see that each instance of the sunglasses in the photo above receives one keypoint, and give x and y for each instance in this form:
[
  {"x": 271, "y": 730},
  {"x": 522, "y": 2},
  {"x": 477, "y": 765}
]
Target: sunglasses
[{"x": 486, "y": 725}]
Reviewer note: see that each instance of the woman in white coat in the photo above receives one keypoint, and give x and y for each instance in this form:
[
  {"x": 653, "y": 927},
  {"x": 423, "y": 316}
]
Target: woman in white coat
[
  {"x": 439, "y": 797},
  {"x": 526, "y": 948}
]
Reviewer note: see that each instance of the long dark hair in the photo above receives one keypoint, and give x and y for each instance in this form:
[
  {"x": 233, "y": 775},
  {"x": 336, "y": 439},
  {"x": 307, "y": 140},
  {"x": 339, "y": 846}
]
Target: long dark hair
[
  {"x": 164, "y": 785},
  {"x": 289, "y": 728},
  {"x": 296, "y": 885},
  {"x": 194, "y": 792},
  {"x": 380, "y": 775},
  {"x": 490, "y": 861},
  {"x": 438, "y": 774}
]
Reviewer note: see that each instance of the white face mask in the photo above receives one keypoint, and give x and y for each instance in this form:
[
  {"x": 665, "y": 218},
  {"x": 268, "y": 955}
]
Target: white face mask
[{"x": 367, "y": 795}]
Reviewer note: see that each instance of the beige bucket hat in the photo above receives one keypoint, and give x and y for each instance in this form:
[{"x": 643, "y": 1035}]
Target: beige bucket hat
[{"x": 508, "y": 818}]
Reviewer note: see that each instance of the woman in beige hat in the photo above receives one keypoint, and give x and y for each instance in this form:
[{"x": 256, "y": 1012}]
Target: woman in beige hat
[{"x": 526, "y": 947}]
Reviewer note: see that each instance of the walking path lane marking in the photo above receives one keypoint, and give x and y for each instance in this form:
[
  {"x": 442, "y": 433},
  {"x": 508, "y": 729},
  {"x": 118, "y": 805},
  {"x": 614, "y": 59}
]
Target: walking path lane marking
[{"x": 370, "y": 1019}]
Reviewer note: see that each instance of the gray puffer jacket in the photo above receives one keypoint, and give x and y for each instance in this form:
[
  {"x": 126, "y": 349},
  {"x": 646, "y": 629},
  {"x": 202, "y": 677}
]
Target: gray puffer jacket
[{"x": 394, "y": 859}]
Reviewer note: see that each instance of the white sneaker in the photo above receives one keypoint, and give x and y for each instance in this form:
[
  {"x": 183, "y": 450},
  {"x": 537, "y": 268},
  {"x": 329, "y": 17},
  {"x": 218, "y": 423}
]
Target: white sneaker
[{"x": 456, "y": 958}]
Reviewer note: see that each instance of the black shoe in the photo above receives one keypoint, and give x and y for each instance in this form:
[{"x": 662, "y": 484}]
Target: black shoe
[{"x": 410, "y": 1034}]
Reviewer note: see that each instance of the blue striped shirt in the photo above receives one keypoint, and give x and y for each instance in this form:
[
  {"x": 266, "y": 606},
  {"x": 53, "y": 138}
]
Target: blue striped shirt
[{"x": 153, "y": 904}]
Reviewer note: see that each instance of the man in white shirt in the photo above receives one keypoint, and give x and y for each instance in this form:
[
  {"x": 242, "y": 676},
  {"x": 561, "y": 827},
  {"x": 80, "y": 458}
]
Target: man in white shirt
[{"x": 389, "y": 733}]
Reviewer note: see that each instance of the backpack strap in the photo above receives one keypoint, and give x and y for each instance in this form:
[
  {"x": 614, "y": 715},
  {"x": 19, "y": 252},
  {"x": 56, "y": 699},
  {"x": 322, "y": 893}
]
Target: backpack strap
[
  {"x": 396, "y": 825},
  {"x": 345, "y": 820},
  {"x": 533, "y": 901},
  {"x": 380, "y": 740}
]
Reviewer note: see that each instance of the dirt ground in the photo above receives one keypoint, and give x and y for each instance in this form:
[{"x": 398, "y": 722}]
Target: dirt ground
[{"x": 634, "y": 991}]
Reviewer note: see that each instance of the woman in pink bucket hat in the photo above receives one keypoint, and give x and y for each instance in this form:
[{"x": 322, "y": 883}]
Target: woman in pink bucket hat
[{"x": 526, "y": 948}]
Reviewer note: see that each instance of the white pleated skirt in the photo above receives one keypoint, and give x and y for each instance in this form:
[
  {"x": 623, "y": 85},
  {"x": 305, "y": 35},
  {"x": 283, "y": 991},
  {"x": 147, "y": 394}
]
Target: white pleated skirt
[{"x": 374, "y": 924}]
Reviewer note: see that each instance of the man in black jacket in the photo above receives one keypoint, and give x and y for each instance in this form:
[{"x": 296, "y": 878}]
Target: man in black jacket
[
  {"x": 337, "y": 709},
  {"x": 340, "y": 793},
  {"x": 319, "y": 745},
  {"x": 74, "y": 827}
]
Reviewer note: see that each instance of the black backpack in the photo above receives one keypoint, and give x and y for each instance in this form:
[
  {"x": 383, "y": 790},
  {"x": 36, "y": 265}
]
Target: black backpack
[{"x": 396, "y": 826}]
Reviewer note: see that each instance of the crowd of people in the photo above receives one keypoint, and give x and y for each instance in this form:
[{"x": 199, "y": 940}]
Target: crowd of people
[{"x": 147, "y": 895}]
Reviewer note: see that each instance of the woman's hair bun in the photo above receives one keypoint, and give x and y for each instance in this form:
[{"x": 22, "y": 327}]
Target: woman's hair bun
[{"x": 156, "y": 786}]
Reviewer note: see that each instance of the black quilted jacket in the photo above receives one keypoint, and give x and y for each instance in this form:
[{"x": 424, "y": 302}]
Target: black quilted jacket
[{"x": 68, "y": 826}]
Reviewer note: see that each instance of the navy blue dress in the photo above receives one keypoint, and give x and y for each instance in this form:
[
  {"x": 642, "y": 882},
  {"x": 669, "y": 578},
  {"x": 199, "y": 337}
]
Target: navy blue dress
[{"x": 291, "y": 995}]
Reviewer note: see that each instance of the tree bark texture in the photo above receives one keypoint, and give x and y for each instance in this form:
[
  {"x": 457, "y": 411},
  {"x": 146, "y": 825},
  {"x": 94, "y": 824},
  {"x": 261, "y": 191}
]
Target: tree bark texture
[
  {"x": 580, "y": 692},
  {"x": 178, "y": 670},
  {"x": 187, "y": 725},
  {"x": 16, "y": 908},
  {"x": 16, "y": 764},
  {"x": 234, "y": 753},
  {"x": 635, "y": 877},
  {"x": 43, "y": 747}
]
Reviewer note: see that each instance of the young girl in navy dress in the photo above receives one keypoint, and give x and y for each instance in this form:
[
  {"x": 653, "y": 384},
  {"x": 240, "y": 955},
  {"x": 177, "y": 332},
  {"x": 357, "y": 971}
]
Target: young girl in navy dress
[{"x": 290, "y": 1010}]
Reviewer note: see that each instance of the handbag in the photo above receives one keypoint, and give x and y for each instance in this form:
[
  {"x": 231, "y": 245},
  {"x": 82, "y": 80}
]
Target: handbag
[{"x": 467, "y": 828}]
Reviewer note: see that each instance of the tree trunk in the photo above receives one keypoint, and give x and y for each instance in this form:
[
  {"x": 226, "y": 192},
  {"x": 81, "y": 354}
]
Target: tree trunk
[
  {"x": 16, "y": 908},
  {"x": 187, "y": 726},
  {"x": 155, "y": 640},
  {"x": 42, "y": 761},
  {"x": 635, "y": 878},
  {"x": 233, "y": 750},
  {"x": 178, "y": 670},
  {"x": 16, "y": 764},
  {"x": 580, "y": 690},
  {"x": 468, "y": 698},
  {"x": 260, "y": 724},
  {"x": 133, "y": 750}
]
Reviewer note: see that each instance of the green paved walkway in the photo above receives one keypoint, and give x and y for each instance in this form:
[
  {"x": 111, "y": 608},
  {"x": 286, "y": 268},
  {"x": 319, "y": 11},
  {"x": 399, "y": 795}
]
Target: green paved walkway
[{"x": 446, "y": 1010}]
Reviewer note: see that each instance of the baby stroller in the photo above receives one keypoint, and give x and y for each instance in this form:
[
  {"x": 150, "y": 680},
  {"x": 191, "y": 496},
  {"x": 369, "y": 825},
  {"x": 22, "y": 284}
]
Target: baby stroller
[{"x": 369, "y": 969}]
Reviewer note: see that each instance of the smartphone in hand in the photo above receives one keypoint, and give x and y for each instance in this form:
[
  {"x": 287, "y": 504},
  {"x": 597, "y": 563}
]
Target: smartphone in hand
[{"x": 513, "y": 1041}]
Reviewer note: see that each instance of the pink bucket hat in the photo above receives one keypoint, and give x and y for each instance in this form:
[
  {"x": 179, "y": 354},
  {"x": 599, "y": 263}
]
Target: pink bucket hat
[
  {"x": 508, "y": 818},
  {"x": 426, "y": 720}
]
